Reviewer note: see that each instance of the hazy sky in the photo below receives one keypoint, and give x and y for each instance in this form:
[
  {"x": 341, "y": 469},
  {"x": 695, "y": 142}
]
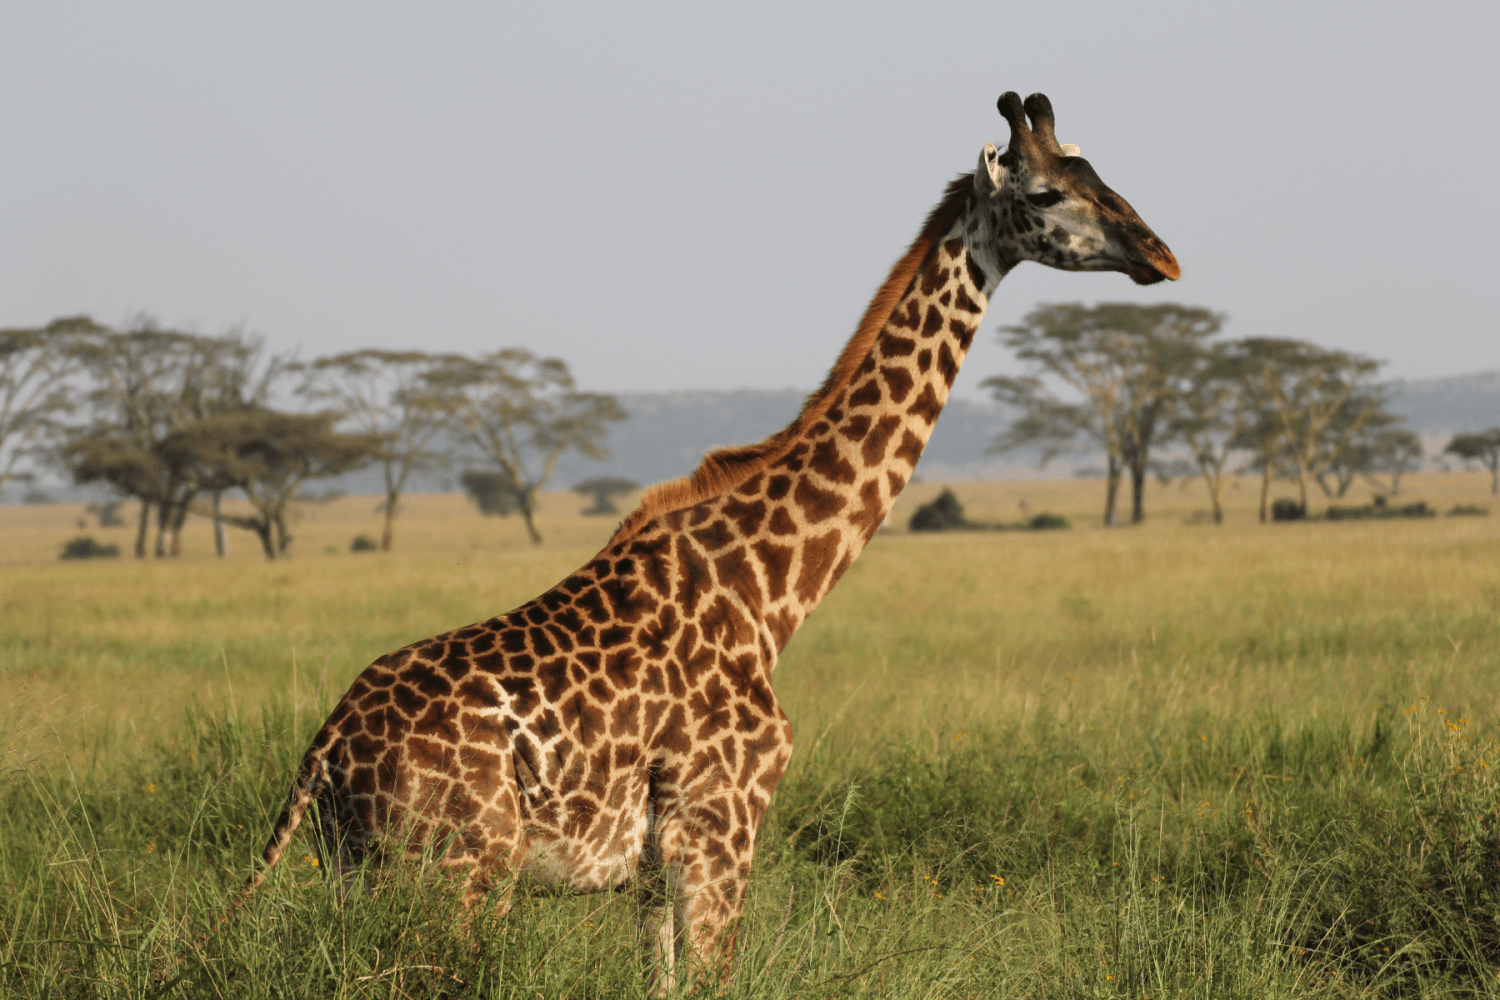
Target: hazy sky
[{"x": 698, "y": 196}]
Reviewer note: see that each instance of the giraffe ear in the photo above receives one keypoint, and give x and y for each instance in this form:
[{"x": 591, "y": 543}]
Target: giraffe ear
[
  {"x": 989, "y": 177},
  {"x": 1068, "y": 149}
]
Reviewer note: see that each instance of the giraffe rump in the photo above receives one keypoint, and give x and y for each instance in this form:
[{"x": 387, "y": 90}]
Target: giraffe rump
[{"x": 722, "y": 468}]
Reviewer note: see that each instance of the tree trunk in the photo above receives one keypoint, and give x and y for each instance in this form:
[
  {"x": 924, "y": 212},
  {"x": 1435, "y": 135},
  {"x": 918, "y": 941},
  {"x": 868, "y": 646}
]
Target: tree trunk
[
  {"x": 283, "y": 540},
  {"x": 163, "y": 526},
  {"x": 1137, "y": 492},
  {"x": 387, "y": 534},
  {"x": 140, "y": 533},
  {"x": 525, "y": 505},
  {"x": 1111, "y": 491},
  {"x": 1215, "y": 485},
  {"x": 179, "y": 516},
  {"x": 1495, "y": 479},
  {"x": 221, "y": 533},
  {"x": 262, "y": 531},
  {"x": 1265, "y": 494}
]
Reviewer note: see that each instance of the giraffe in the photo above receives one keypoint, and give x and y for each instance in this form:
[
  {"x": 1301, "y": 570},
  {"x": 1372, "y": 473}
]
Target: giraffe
[{"x": 623, "y": 724}]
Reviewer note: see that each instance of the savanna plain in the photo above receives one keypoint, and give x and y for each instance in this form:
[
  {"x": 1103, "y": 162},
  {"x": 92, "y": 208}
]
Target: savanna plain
[{"x": 1172, "y": 760}]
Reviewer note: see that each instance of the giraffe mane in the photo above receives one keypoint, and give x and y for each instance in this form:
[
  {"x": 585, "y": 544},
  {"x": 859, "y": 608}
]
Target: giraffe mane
[{"x": 724, "y": 468}]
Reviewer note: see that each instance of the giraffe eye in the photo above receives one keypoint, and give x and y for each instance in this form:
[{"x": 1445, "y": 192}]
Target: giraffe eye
[{"x": 1045, "y": 199}]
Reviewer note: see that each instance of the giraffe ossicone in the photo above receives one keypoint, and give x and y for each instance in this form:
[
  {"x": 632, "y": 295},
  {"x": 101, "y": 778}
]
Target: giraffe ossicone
[{"x": 623, "y": 724}]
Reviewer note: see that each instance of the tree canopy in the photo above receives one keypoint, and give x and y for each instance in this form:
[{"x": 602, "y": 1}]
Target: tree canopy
[
  {"x": 519, "y": 413},
  {"x": 176, "y": 419},
  {"x": 35, "y": 367},
  {"x": 1482, "y": 447},
  {"x": 1128, "y": 379},
  {"x": 387, "y": 394},
  {"x": 1128, "y": 365}
]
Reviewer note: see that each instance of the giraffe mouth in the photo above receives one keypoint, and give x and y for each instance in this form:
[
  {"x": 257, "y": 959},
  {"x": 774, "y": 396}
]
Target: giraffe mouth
[
  {"x": 1145, "y": 274},
  {"x": 1148, "y": 272}
]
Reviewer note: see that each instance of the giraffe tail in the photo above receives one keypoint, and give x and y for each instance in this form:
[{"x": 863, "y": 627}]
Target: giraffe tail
[{"x": 304, "y": 788}]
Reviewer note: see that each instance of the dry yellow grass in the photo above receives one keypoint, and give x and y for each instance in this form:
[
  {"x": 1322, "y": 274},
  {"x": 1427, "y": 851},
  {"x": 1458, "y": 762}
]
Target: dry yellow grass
[{"x": 926, "y": 632}]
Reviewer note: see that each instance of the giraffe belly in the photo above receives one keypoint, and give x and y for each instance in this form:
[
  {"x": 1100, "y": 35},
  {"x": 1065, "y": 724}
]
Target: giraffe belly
[{"x": 591, "y": 850}]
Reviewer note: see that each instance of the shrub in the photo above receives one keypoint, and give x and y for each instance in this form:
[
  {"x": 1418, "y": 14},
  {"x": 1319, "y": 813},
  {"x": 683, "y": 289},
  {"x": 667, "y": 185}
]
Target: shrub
[
  {"x": 943, "y": 514},
  {"x": 947, "y": 514},
  {"x": 1469, "y": 510},
  {"x": 84, "y": 547},
  {"x": 363, "y": 543},
  {"x": 1287, "y": 510},
  {"x": 1380, "y": 509},
  {"x": 1418, "y": 509}
]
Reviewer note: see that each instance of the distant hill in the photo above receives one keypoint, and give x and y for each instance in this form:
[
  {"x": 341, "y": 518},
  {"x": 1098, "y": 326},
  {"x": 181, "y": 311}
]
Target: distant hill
[
  {"x": 668, "y": 432},
  {"x": 1441, "y": 407}
]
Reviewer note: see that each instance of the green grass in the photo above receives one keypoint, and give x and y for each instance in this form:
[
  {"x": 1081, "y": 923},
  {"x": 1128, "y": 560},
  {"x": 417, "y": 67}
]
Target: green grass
[
  {"x": 1026, "y": 859},
  {"x": 1168, "y": 762}
]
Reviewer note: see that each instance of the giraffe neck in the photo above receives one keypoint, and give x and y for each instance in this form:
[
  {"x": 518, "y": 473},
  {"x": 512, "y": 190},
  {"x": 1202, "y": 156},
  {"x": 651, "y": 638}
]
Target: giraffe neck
[
  {"x": 769, "y": 528},
  {"x": 834, "y": 486}
]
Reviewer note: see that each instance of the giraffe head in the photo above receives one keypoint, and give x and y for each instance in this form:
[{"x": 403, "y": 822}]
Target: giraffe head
[{"x": 1047, "y": 204}]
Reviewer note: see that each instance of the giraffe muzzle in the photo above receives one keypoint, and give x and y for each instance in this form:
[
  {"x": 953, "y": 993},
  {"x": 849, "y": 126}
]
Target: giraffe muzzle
[{"x": 1155, "y": 264}]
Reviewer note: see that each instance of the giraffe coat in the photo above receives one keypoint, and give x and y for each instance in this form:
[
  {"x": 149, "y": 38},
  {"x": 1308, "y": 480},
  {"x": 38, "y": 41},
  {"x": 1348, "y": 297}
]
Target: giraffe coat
[{"x": 624, "y": 721}]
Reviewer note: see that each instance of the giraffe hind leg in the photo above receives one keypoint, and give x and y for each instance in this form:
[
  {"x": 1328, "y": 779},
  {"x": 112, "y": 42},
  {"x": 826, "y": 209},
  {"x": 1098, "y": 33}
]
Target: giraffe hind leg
[{"x": 339, "y": 854}]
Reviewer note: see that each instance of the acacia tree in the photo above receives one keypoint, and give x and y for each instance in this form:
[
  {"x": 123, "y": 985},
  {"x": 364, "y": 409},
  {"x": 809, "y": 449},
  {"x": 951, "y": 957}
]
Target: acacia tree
[
  {"x": 269, "y": 455},
  {"x": 1395, "y": 452},
  {"x": 35, "y": 365},
  {"x": 138, "y": 377},
  {"x": 1214, "y": 416},
  {"x": 1482, "y": 447},
  {"x": 1128, "y": 363},
  {"x": 387, "y": 394},
  {"x": 1378, "y": 446},
  {"x": 148, "y": 384},
  {"x": 1312, "y": 400},
  {"x": 521, "y": 413}
]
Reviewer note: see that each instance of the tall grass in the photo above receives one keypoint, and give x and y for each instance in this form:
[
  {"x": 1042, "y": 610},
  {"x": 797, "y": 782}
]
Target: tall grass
[
  {"x": 1175, "y": 761},
  {"x": 1025, "y": 859}
]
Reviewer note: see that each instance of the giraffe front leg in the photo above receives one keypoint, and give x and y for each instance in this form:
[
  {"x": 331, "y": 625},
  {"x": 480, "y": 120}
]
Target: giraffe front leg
[
  {"x": 703, "y": 816},
  {"x": 709, "y": 907},
  {"x": 693, "y": 891}
]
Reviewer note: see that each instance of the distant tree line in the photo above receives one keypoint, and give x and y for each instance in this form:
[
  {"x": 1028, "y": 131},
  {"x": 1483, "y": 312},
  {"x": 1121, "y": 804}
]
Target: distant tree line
[
  {"x": 1137, "y": 382},
  {"x": 179, "y": 420}
]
